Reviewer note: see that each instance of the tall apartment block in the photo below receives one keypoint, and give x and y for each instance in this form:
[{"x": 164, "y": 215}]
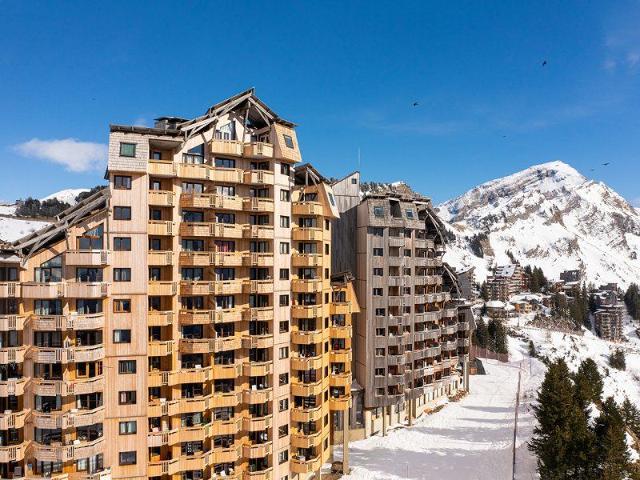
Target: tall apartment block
[
  {"x": 608, "y": 320},
  {"x": 506, "y": 281},
  {"x": 411, "y": 338},
  {"x": 184, "y": 322}
]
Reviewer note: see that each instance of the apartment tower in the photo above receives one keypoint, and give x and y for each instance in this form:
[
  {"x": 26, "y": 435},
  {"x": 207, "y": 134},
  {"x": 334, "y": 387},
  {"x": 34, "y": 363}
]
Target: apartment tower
[
  {"x": 184, "y": 322},
  {"x": 410, "y": 340}
]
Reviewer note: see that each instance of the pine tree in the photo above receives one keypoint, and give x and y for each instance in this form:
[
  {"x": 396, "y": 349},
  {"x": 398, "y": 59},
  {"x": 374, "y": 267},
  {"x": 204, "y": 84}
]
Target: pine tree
[
  {"x": 557, "y": 416},
  {"x": 532, "y": 349},
  {"x": 588, "y": 383},
  {"x": 617, "y": 359},
  {"x": 631, "y": 416},
  {"x": 612, "y": 454},
  {"x": 484, "y": 292},
  {"x": 497, "y": 341},
  {"x": 481, "y": 334},
  {"x": 632, "y": 300}
]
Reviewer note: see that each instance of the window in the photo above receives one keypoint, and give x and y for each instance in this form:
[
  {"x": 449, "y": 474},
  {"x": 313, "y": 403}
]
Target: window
[
  {"x": 49, "y": 271},
  {"x": 409, "y": 213},
  {"x": 284, "y": 221},
  {"x": 127, "y": 458},
  {"x": 378, "y": 212},
  {"x": 283, "y": 379},
  {"x": 155, "y": 155},
  {"x": 377, "y": 231},
  {"x": 127, "y": 149},
  {"x": 288, "y": 141},
  {"x": 378, "y": 292},
  {"x": 284, "y": 300},
  {"x": 121, "y": 274},
  {"x": 326, "y": 249},
  {"x": 380, "y": 312},
  {"x": 379, "y": 352},
  {"x": 91, "y": 239},
  {"x": 127, "y": 397},
  {"x": 283, "y": 405},
  {"x": 284, "y": 274},
  {"x": 225, "y": 163},
  {"x": 284, "y": 326},
  {"x": 381, "y": 332},
  {"x": 190, "y": 187},
  {"x": 128, "y": 428},
  {"x": 122, "y": 305},
  {"x": 354, "y": 180},
  {"x": 122, "y": 336},
  {"x": 283, "y": 353},
  {"x": 285, "y": 195},
  {"x": 283, "y": 431},
  {"x": 155, "y": 185},
  {"x": 284, "y": 247},
  {"x": 327, "y": 224},
  {"x": 122, "y": 213},
  {"x": 285, "y": 169},
  {"x": 127, "y": 367},
  {"x": 379, "y": 372},
  {"x": 122, "y": 244},
  {"x": 407, "y": 252},
  {"x": 283, "y": 456},
  {"x": 122, "y": 182},
  {"x": 378, "y": 252}
]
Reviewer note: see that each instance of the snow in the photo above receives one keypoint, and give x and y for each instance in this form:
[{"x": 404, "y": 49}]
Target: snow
[
  {"x": 11, "y": 228},
  {"x": 467, "y": 440},
  {"x": 548, "y": 216},
  {"x": 69, "y": 195},
  {"x": 8, "y": 209}
]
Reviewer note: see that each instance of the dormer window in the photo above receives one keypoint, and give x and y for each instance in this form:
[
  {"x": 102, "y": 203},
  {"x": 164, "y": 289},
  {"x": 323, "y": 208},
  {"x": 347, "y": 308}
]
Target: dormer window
[{"x": 288, "y": 141}]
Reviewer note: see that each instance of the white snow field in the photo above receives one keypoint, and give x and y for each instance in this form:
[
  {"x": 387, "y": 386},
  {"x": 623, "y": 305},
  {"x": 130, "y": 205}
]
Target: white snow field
[{"x": 468, "y": 440}]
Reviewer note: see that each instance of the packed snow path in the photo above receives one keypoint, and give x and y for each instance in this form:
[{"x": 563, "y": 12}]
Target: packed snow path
[{"x": 468, "y": 440}]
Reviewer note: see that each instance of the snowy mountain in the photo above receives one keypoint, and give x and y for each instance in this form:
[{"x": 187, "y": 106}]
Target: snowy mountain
[
  {"x": 68, "y": 196},
  {"x": 548, "y": 216}
]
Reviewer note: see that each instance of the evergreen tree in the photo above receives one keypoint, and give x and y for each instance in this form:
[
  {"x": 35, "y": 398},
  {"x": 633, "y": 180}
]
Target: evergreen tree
[
  {"x": 481, "y": 334},
  {"x": 484, "y": 292},
  {"x": 631, "y": 416},
  {"x": 612, "y": 454},
  {"x": 561, "y": 428},
  {"x": 82, "y": 195},
  {"x": 588, "y": 383},
  {"x": 593, "y": 304},
  {"x": 617, "y": 359},
  {"x": 497, "y": 337},
  {"x": 532, "y": 349},
  {"x": 632, "y": 300}
]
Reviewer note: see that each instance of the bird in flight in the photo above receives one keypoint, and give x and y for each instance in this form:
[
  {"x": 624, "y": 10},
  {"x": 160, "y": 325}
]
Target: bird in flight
[
  {"x": 605, "y": 164},
  {"x": 415, "y": 104},
  {"x": 544, "y": 63}
]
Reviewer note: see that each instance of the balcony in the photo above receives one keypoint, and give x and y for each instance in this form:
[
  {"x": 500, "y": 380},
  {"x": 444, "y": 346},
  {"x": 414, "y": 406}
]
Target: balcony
[
  {"x": 226, "y": 147},
  {"x": 13, "y": 420},
  {"x": 299, "y": 439},
  {"x": 301, "y": 337},
  {"x": 464, "y": 342},
  {"x": 161, "y": 198},
  {"x": 226, "y": 175},
  {"x": 257, "y": 424},
  {"x": 227, "y": 230},
  {"x": 9, "y": 289},
  {"x": 308, "y": 389},
  {"x": 257, "y": 396},
  {"x": 306, "y": 363},
  {"x": 258, "y": 177},
  {"x": 160, "y": 258},
  {"x": 313, "y": 414},
  {"x": 72, "y": 321},
  {"x": 254, "y": 259},
  {"x": 340, "y": 356},
  {"x": 260, "y": 450},
  {"x": 257, "y": 369},
  {"x": 341, "y": 404},
  {"x": 227, "y": 259},
  {"x": 67, "y": 453},
  {"x": 306, "y": 286},
  {"x": 340, "y": 380},
  {"x": 13, "y": 386},
  {"x": 160, "y": 348},
  {"x": 208, "y": 200},
  {"x": 158, "y": 227},
  {"x": 307, "y": 311},
  {"x": 12, "y": 354},
  {"x": 96, "y": 258},
  {"x": 196, "y": 288},
  {"x": 226, "y": 455},
  {"x": 306, "y": 260},
  {"x": 340, "y": 308},
  {"x": 69, "y": 419},
  {"x": 89, "y": 353},
  {"x": 307, "y": 234},
  {"x": 221, "y": 371},
  {"x": 307, "y": 208},
  {"x": 160, "y": 168},
  {"x": 261, "y": 314},
  {"x": 88, "y": 290},
  {"x": 159, "y": 318},
  {"x": 11, "y": 322},
  {"x": 226, "y": 427},
  {"x": 258, "y": 150},
  {"x": 449, "y": 312},
  {"x": 194, "y": 171},
  {"x": 162, "y": 288},
  {"x": 449, "y": 329},
  {"x": 163, "y": 438},
  {"x": 302, "y": 465},
  {"x": 228, "y": 316},
  {"x": 266, "y": 474},
  {"x": 196, "y": 229},
  {"x": 258, "y": 286},
  {"x": 51, "y": 388},
  {"x": 257, "y": 341},
  {"x": 255, "y": 204},
  {"x": 228, "y": 399},
  {"x": 43, "y": 290},
  {"x": 264, "y": 232},
  {"x": 13, "y": 453},
  {"x": 340, "y": 332}
]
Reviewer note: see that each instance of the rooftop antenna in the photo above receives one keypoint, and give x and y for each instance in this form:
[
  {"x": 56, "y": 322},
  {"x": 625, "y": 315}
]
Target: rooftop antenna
[{"x": 358, "y": 158}]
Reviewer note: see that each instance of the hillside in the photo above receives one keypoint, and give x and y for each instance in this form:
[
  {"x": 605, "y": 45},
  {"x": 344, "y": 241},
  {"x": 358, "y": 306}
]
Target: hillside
[{"x": 550, "y": 216}]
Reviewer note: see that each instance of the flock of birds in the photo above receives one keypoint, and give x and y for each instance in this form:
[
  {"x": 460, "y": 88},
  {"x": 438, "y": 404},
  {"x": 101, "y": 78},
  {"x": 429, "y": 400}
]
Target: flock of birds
[{"x": 544, "y": 64}]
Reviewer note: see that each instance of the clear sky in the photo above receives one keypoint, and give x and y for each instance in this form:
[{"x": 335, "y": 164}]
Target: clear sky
[{"x": 346, "y": 72}]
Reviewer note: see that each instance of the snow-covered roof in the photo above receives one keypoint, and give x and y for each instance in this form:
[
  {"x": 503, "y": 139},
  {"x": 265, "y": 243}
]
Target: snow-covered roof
[
  {"x": 505, "y": 270},
  {"x": 495, "y": 304}
]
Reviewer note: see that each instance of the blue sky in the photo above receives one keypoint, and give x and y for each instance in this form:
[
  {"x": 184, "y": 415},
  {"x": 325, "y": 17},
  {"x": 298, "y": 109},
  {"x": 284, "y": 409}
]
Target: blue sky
[{"x": 346, "y": 72}]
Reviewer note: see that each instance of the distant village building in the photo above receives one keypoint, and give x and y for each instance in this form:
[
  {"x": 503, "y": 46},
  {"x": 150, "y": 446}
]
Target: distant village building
[
  {"x": 499, "y": 310},
  {"x": 570, "y": 276},
  {"x": 609, "y": 321},
  {"x": 467, "y": 282},
  {"x": 506, "y": 281}
]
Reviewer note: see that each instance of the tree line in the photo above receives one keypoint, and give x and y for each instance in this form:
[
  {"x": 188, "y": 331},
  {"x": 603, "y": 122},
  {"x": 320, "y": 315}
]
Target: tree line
[
  {"x": 32, "y": 207},
  {"x": 566, "y": 442}
]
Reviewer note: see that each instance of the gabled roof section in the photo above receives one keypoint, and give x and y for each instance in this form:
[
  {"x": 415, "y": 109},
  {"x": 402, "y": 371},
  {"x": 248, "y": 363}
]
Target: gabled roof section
[
  {"x": 72, "y": 216},
  {"x": 305, "y": 172},
  {"x": 255, "y": 111}
]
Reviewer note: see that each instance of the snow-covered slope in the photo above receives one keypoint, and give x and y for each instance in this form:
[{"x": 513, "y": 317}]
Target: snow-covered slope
[
  {"x": 69, "y": 195},
  {"x": 549, "y": 216},
  {"x": 13, "y": 228}
]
